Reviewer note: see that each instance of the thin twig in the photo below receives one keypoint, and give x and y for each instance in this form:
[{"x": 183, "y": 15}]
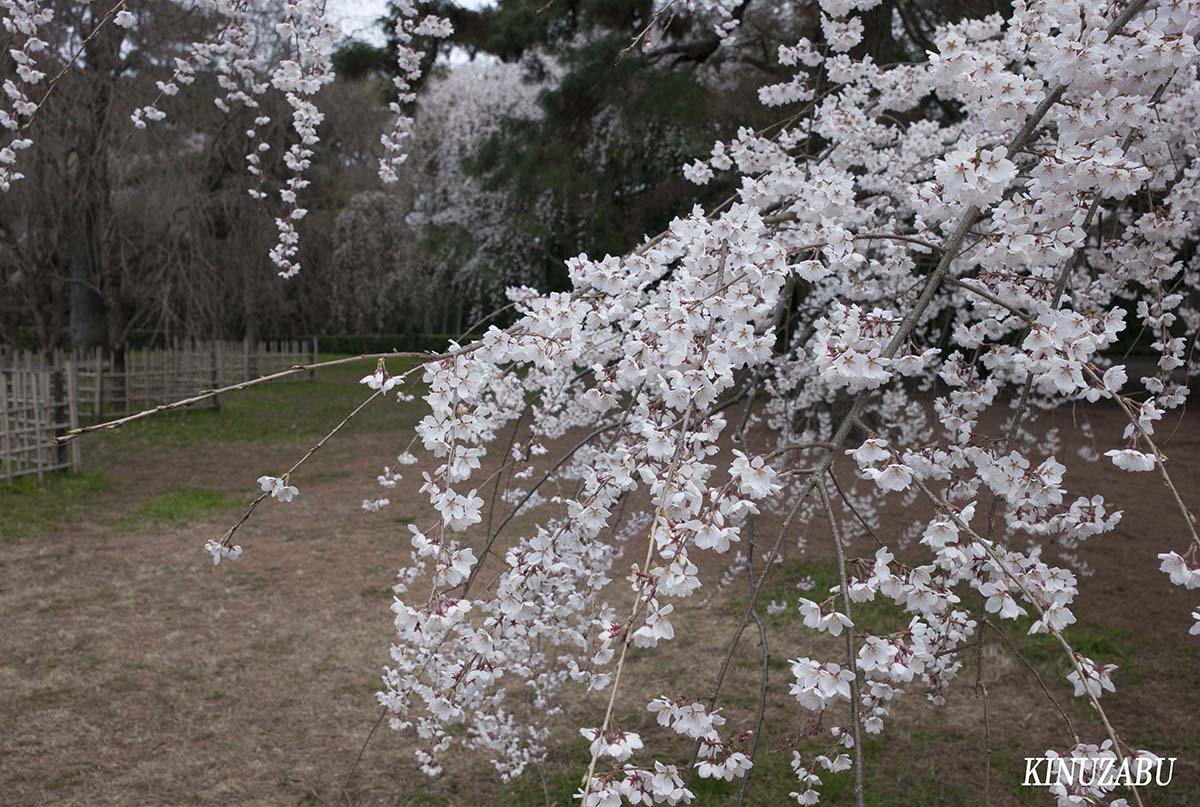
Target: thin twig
[
  {"x": 1038, "y": 677},
  {"x": 1159, "y": 457},
  {"x": 981, "y": 691},
  {"x": 361, "y": 751},
  {"x": 228, "y": 536},
  {"x": 204, "y": 395},
  {"x": 660, "y": 512},
  {"x": 53, "y": 83},
  {"x": 491, "y": 539},
  {"x": 766, "y": 665},
  {"x": 991, "y": 298},
  {"x": 853, "y": 509},
  {"x": 851, "y": 651}
]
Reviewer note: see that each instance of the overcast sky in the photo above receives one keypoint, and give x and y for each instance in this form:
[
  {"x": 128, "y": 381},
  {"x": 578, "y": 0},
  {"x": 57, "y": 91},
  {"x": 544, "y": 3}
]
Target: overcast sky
[{"x": 358, "y": 18}]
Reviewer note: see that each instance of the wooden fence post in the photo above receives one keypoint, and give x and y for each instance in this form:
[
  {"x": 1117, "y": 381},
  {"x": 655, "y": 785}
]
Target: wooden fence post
[
  {"x": 38, "y": 436},
  {"x": 98, "y": 393},
  {"x": 216, "y": 371},
  {"x": 6, "y": 440},
  {"x": 148, "y": 371},
  {"x": 127, "y": 403},
  {"x": 56, "y": 389},
  {"x": 73, "y": 415}
]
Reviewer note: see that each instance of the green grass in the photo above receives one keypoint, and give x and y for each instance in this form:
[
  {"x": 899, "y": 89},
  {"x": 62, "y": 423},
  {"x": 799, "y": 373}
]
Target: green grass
[
  {"x": 187, "y": 504},
  {"x": 29, "y": 509},
  {"x": 781, "y": 587},
  {"x": 1132, "y": 652},
  {"x": 277, "y": 412},
  {"x": 878, "y": 616}
]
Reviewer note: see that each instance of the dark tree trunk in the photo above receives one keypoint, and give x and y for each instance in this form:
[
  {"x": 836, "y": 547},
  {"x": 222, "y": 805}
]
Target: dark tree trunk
[
  {"x": 878, "y": 41},
  {"x": 97, "y": 313},
  {"x": 86, "y": 320}
]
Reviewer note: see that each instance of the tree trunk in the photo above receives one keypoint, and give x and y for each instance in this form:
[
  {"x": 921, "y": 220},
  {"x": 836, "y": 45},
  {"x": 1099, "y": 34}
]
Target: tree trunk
[
  {"x": 86, "y": 323},
  {"x": 97, "y": 313}
]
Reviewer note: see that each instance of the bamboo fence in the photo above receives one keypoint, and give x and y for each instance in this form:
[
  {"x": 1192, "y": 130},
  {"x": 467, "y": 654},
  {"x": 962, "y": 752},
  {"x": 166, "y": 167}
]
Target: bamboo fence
[
  {"x": 42, "y": 395},
  {"x": 37, "y": 403}
]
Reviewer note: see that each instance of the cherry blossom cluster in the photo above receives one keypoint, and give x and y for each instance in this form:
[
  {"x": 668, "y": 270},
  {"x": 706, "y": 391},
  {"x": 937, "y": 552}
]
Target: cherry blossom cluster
[
  {"x": 22, "y": 21},
  {"x": 221, "y": 551},
  {"x": 311, "y": 40},
  {"x": 278, "y": 488},
  {"x": 410, "y": 24}
]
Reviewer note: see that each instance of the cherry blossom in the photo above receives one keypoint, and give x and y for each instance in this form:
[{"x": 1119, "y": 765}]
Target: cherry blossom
[
  {"x": 220, "y": 552},
  {"x": 1093, "y": 678},
  {"x": 278, "y": 488}
]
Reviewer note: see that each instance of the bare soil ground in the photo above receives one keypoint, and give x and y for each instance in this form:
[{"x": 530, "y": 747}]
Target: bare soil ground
[{"x": 134, "y": 673}]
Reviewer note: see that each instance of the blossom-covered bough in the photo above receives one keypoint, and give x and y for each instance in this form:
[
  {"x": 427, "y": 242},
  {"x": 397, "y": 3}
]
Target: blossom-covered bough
[{"x": 891, "y": 275}]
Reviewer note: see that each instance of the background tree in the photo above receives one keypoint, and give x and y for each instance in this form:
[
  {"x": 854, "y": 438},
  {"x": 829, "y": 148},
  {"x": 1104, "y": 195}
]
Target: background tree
[{"x": 118, "y": 232}]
